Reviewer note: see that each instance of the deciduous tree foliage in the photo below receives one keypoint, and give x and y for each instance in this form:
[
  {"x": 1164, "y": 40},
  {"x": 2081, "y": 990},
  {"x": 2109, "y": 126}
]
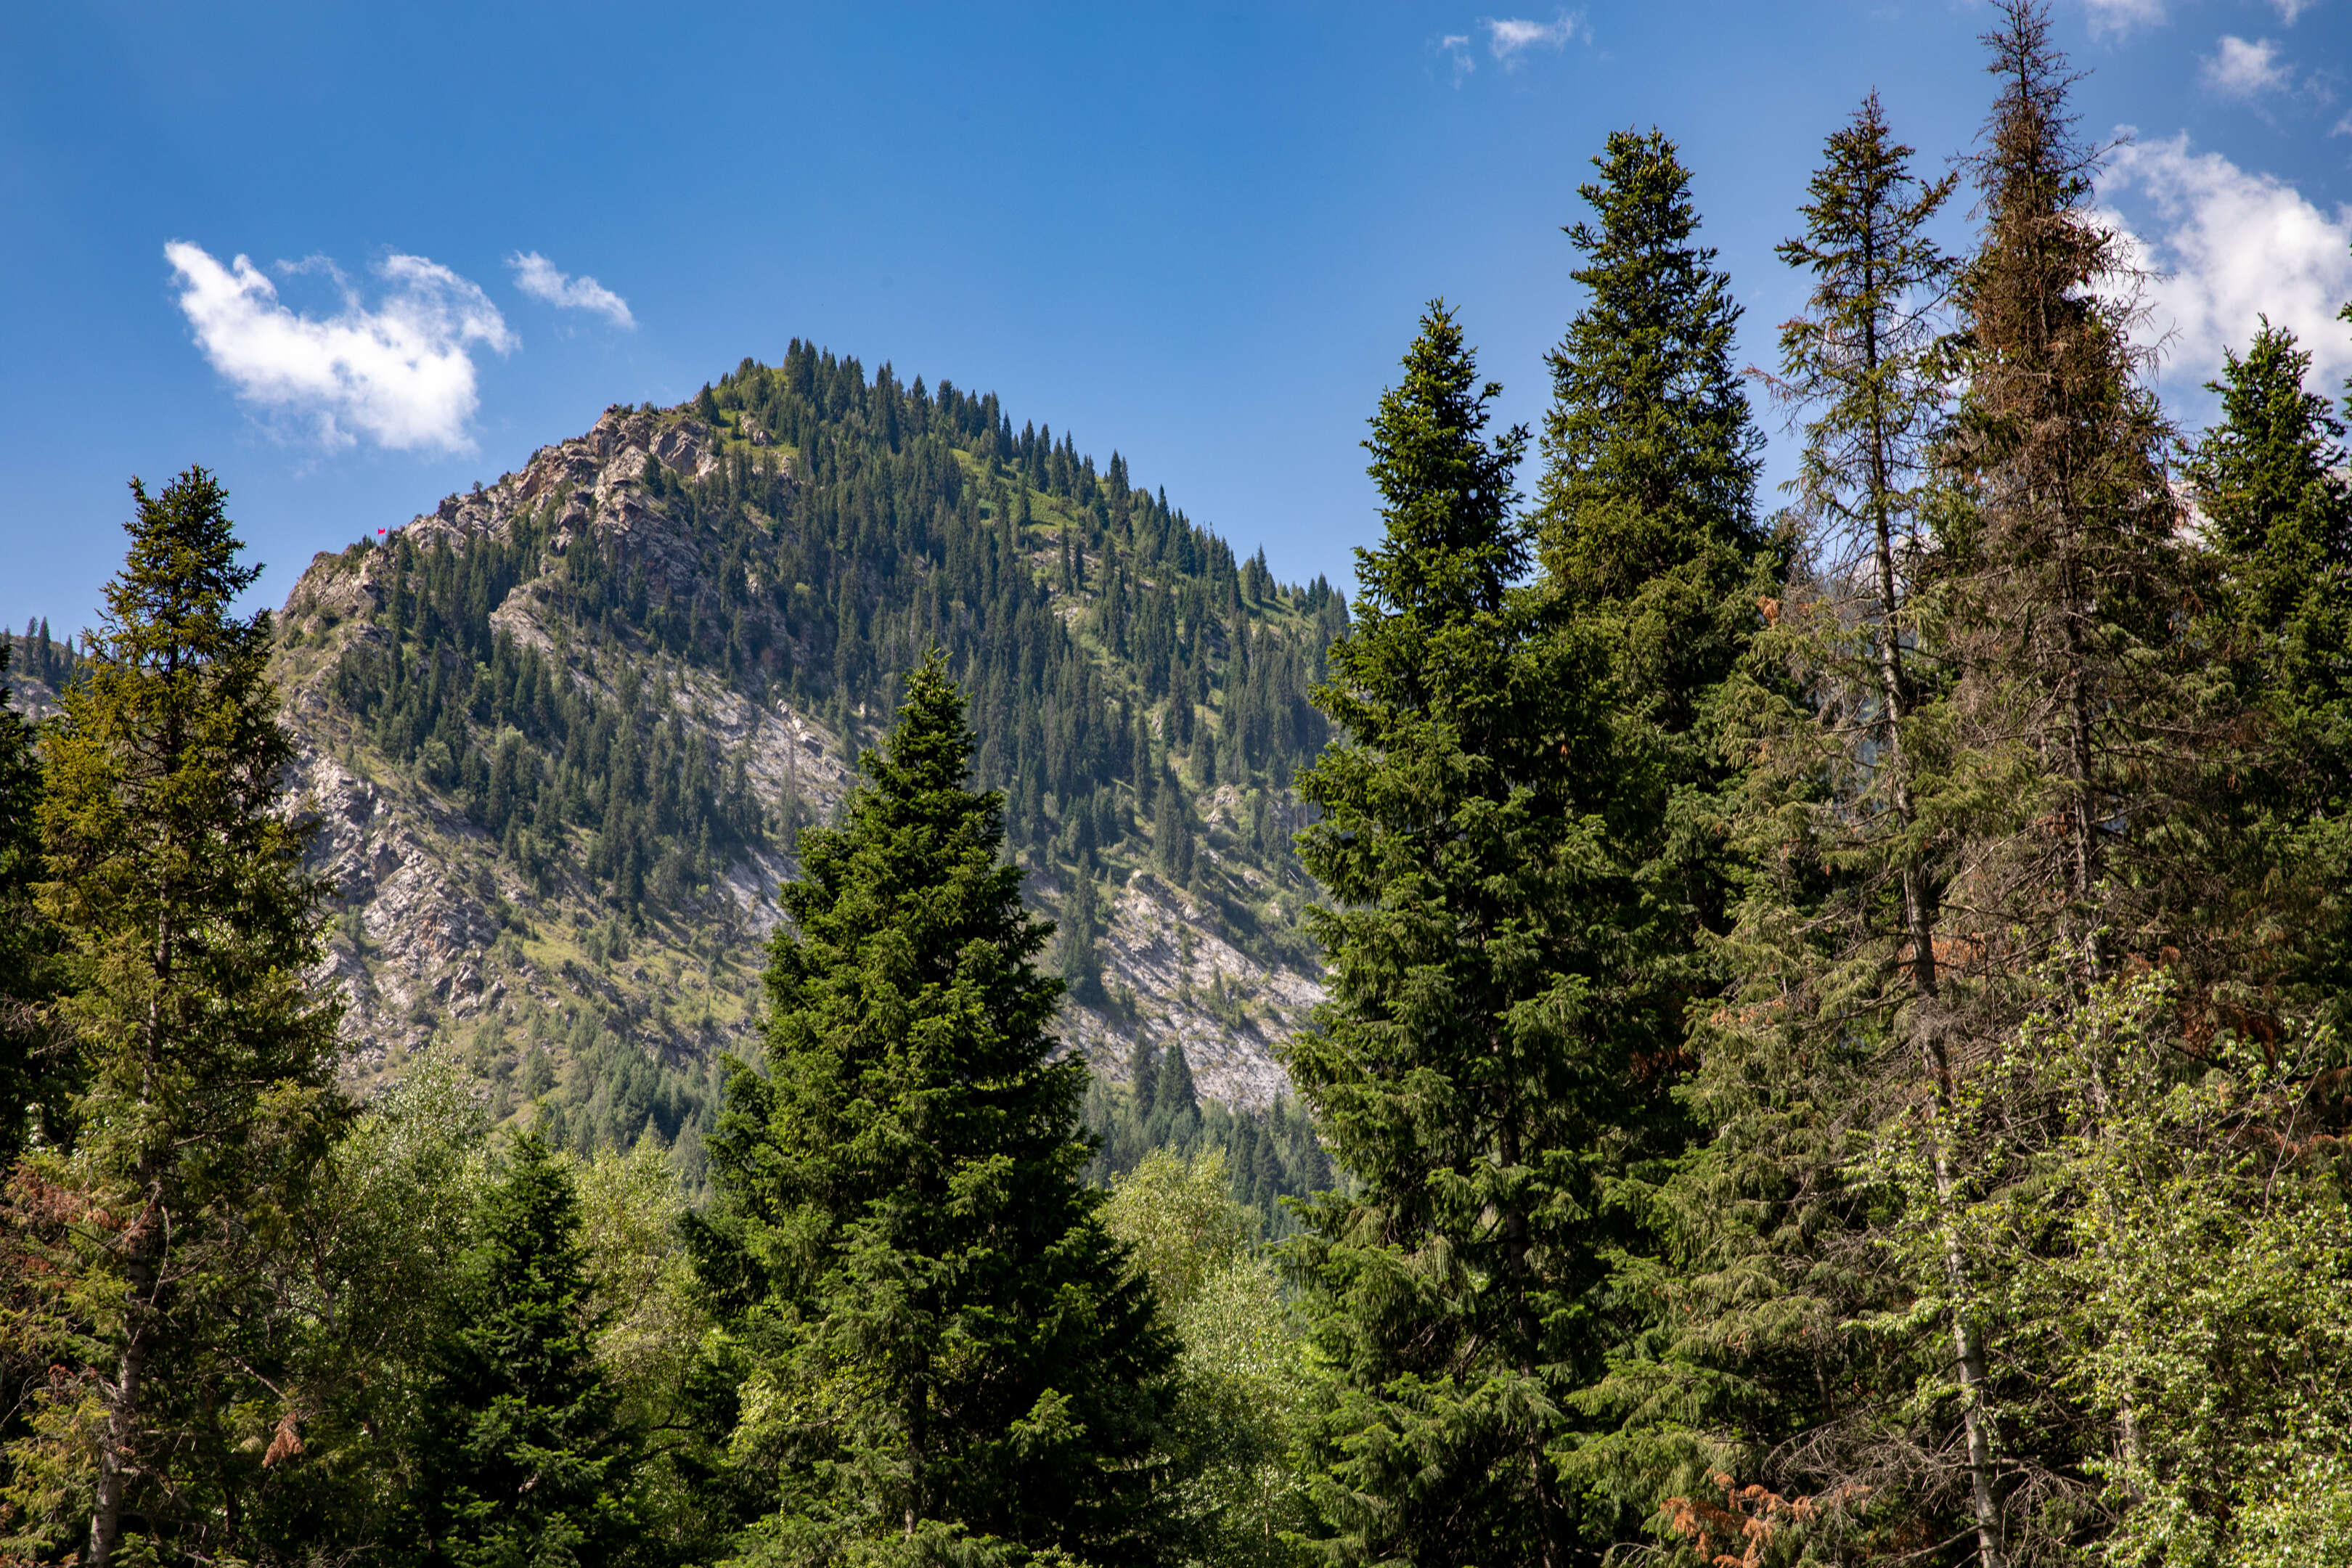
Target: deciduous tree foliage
[
  {"x": 2152, "y": 1235},
  {"x": 936, "y": 1338}
]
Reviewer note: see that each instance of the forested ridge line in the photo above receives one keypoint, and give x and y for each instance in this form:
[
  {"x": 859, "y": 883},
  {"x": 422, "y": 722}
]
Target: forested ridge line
[
  {"x": 570, "y": 724},
  {"x": 1830, "y": 1045}
]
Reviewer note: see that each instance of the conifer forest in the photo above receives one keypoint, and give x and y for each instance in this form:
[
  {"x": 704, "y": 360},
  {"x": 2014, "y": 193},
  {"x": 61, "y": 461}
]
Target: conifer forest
[{"x": 818, "y": 980}]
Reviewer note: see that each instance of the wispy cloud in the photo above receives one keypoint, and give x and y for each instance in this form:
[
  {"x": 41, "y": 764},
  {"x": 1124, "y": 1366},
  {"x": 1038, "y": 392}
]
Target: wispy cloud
[
  {"x": 2229, "y": 246},
  {"x": 1509, "y": 39},
  {"x": 1456, "y": 49},
  {"x": 536, "y": 276},
  {"x": 2290, "y": 10},
  {"x": 2241, "y": 69},
  {"x": 402, "y": 375},
  {"x": 2113, "y": 19}
]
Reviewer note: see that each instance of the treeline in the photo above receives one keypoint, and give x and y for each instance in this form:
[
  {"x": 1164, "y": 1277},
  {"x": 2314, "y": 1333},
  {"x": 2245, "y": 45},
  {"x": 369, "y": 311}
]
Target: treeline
[
  {"x": 51, "y": 661},
  {"x": 1829, "y": 1055},
  {"x": 1832, "y": 1021}
]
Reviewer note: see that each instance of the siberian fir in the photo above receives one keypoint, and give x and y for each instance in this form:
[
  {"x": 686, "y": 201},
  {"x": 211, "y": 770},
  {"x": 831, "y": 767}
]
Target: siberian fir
[
  {"x": 935, "y": 1339},
  {"x": 1831, "y": 947},
  {"x": 2065, "y": 805},
  {"x": 1647, "y": 498},
  {"x": 189, "y": 928},
  {"x": 1474, "y": 1068}
]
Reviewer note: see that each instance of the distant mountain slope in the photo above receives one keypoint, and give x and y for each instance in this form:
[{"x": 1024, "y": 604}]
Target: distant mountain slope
[{"x": 561, "y": 731}]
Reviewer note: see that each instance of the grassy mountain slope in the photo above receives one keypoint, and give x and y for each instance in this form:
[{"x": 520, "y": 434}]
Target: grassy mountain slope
[{"x": 563, "y": 730}]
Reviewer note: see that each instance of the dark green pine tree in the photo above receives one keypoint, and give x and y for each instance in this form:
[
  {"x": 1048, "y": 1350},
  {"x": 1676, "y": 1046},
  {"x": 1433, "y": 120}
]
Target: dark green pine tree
[
  {"x": 525, "y": 1461},
  {"x": 1476, "y": 1069},
  {"x": 1651, "y": 551},
  {"x": 939, "y": 1339},
  {"x": 2269, "y": 478}
]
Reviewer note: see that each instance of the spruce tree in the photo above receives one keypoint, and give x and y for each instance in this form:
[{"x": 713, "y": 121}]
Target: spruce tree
[
  {"x": 1476, "y": 1068},
  {"x": 939, "y": 1339},
  {"x": 1172, "y": 1094},
  {"x": 525, "y": 1459},
  {"x": 1652, "y": 553},
  {"x": 2269, "y": 481},
  {"x": 2071, "y": 823},
  {"x": 189, "y": 928},
  {"x": 1647, "y": 497},
  {"x": 2060, "y": 571},
  {"x": 1831, "y": 948}
]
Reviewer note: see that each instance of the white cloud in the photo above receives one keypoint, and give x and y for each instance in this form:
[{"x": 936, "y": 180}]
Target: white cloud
[
  {"x": 2242, "y": 69},
  {"x": 2289, "y": 10},
  {"x": 400, "y": 374},
  {"x": 2113, "y": 19},
  {"x": 1508, "y": 37},
  {"x": 2230, "y": 247},
  {"x": 1456, "y": 46},
  {"x": 536, "y": 276}
]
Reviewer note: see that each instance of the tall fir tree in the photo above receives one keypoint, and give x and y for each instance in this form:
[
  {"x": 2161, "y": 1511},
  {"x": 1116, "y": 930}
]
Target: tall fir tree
[
  {"x": 1860, "y": 366},
  {"x": 1832, "y": 947},
  {"x": 1651, "y": 552},
  {"x": 2269, "y": 480},
  {"x": 1647, "y": 497},
  {"x": 1647, "y": 536},
  {"x": 2060, "y": 570},
  {"x": 524, "y": 1461},
  {"x": 189, "y": 928},
  {"x": 939, "y": 1340},
  {"x": 1476, "y": 1070},
  {"x": 2066, "y": 807}
]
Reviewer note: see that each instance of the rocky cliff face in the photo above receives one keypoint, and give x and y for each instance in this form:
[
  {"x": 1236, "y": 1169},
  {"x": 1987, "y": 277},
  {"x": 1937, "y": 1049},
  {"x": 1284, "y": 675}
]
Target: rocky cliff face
[{"x": 441, "y": 936}]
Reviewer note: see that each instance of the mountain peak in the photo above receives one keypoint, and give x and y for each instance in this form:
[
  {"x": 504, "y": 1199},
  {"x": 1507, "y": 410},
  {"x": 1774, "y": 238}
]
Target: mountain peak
[{"x": 564, "y": 728}]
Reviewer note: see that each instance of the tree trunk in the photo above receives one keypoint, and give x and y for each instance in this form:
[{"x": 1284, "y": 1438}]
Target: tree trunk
[
  {"x": 1968, "y": 1344},
  {"x": 121, "y": 1420}
]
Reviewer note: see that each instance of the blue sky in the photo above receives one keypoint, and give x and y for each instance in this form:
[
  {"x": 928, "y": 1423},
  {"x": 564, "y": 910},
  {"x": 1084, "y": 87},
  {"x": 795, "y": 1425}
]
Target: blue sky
[{"x": 1200, "y": 233}]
